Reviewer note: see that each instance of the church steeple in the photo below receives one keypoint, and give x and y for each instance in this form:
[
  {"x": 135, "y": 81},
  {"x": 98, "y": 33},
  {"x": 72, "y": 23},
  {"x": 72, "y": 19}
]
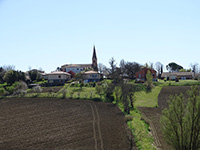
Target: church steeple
[
  {"x": 94, "y": 53},
  {"x": 94, "y": 60}
]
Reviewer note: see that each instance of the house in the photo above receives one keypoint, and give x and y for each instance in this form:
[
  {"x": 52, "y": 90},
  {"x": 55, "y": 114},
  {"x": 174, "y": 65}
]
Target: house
[
  {"x": 77, "y": 68},
  {"x": 141, "y": 75},
  {"x": 92, "y": 76},
  {"x": 179, "y": 75},
  {"x": 58, "y": 77}
]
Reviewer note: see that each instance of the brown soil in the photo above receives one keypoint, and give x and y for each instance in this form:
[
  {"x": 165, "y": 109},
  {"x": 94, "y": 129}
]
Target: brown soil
[
  {"x": 152, "y": 115},
  {"x": 61, "y": 124}
]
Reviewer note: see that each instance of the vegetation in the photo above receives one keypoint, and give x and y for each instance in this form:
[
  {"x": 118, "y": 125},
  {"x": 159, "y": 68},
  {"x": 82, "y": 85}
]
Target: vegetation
[
  {"x": 12, "y": 76},
  {"x": 173, "y": 67},
  {"x": 34, "y": 75},
  {"x": 180, "y": 83},
  {"x": 140, "y": 131},
  {"x": 147, "y": 99},
  {"x": 181, "y": 121},
  {"x": 149, "y": 82}
]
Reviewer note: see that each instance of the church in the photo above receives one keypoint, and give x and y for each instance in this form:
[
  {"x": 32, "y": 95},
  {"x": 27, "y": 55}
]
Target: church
[{"x": 77, "y": 68}]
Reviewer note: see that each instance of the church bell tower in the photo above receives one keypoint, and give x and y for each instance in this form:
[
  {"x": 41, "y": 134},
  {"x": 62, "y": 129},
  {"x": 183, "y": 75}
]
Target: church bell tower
[{"x": 94, "y": 60}]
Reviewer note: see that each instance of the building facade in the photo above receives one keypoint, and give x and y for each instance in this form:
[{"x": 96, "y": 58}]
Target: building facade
[
  {"x": 92, "y": 76},
  {"x": 58, "y": 77},
  {"x": 141, "y": 75}
]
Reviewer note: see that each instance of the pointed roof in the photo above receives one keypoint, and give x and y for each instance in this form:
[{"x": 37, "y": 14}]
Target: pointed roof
[{"x": 94, "y": 53}]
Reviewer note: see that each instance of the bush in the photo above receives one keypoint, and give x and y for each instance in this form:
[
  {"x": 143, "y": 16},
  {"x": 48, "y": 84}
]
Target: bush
[
  {"x": 10, "y": 89},
  {"x": 20, "y": 88},
  {"x": 37, "y": 89},
  {"x": 2, "y": 91}
]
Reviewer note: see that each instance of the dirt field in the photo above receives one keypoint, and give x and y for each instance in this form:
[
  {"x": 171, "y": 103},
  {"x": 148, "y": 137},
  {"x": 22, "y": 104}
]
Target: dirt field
[
  {"x": 152, "y": 115},
  {"x": 61, "y": 124}
]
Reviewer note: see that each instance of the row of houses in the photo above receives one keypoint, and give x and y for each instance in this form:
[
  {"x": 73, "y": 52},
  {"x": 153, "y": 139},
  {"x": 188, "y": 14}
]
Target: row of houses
[
  {"x": 141, "y": 75},
  {"x": 89, "y": 73},
  {"x": 60, "y": 77}
]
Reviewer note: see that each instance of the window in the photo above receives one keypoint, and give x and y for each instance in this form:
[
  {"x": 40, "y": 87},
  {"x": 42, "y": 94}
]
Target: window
[{"x": 59, "y": 76}]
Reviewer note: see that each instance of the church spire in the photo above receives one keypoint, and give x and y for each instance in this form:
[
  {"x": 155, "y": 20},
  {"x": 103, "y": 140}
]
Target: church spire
[
  {"x": 94, "y": 53},
  {"x": 94, "y": 60}
]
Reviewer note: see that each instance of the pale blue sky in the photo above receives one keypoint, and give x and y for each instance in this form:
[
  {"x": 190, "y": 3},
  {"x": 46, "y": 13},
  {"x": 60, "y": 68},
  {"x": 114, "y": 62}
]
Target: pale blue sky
[{"x": 49, "y": 33}]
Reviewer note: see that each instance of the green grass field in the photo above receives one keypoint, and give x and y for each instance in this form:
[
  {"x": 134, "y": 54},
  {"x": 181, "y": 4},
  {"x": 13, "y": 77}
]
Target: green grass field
[
  {"x": 180, "y": 83},
  {"x": 147, "y": 99}
]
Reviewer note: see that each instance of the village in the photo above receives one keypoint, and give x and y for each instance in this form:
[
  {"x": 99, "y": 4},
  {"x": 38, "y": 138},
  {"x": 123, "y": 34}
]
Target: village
[{"x": 91, "y": 73}]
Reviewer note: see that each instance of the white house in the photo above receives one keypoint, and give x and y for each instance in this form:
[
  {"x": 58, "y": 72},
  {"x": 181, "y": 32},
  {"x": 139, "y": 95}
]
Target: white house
[
  {"x": 76, "y": 68},
  {"x": 58, "y": 77},
  {"x": 92, "y": 76},
  {"x": 180, "y": 75}
]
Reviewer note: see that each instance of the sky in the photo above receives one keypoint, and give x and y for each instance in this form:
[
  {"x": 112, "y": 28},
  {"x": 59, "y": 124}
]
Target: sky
[{"x": 48, "y": 34}]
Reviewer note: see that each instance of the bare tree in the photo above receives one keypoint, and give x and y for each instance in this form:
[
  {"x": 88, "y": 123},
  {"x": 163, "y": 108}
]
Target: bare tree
[
  {"x": 151, "y": 65},
  {"x": 113, "y": 67},
  {"x": 159, "y": 68},
  {"x": 132, "y": 68},
  {"x": 9, "y": 67},
  {"x": 101, "y": 68},
  {"x": 194, "y": 67},
  {"x": 122, "y": 65}
]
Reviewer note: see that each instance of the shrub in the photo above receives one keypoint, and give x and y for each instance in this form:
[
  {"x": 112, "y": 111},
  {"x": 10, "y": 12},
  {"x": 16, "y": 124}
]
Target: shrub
[
  {"x": 20, "y": 88},
  {"x": 37, "y": 89},
  {"x": 2, "y": 91}
]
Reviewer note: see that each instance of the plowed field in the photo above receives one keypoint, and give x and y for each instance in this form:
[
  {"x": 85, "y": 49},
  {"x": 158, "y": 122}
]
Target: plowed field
[
  {"x": 61, "y": 124},
  {"x": 152, "y": 115}
]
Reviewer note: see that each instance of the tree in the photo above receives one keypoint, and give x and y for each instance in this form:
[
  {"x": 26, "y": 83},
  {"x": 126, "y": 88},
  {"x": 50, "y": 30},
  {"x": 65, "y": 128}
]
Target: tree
[
  {"x": 194, "y": 67},
  {"x": 181, "y": 121},
  {"x": 2, "y": 73},
  {"x": 101, "y": 68},
  {"x": 122, "y": 65},
  {"x": 173, "y": 67},
  {"x": 9, "y": 67},
  {"x": 149, "y": 82},
  {"x": 151, "y": 65},
  {"x": 113, "y": 67},
  {"x": 12, "y": 76},
  {"x": 58, "y": 69},
  {"x": 132, "y": 68},
  {"x": 127, "y": 95},
  {"x": 159, "y": 67},
  {"x": 34, "y": 75}
]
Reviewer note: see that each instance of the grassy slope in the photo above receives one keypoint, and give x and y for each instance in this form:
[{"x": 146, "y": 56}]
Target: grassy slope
[{"x": 148, "y": 99}]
